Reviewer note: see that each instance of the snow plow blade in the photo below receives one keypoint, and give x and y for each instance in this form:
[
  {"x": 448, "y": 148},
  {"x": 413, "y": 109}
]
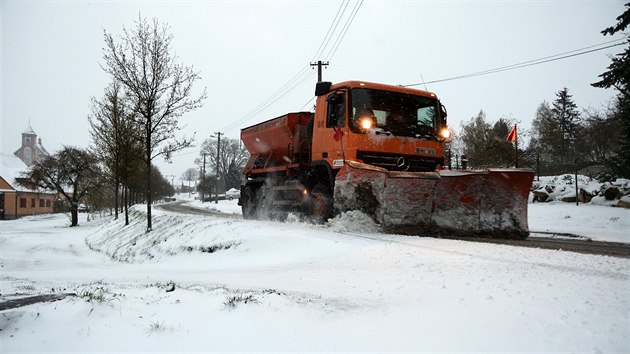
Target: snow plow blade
[{"x": 475, "y": 203}]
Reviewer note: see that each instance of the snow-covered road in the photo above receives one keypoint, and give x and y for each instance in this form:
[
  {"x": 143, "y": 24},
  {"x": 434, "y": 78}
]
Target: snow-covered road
[{"x": 267, "y": 287}]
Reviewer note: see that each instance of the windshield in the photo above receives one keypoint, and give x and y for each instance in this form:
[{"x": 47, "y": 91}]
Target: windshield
[{"x": 393, "y": 113}]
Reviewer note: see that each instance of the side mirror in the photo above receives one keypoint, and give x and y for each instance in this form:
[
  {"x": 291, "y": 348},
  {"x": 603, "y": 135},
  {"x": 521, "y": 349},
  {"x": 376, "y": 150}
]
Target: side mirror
[{"x": 322, "y": 88}]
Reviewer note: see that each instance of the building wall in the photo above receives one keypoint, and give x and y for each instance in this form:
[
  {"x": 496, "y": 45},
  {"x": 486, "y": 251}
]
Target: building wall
[
  {"x": 7, "y": 200},
  {"x": 32, "y": 203},
  {"x": 14, "y": 204}
]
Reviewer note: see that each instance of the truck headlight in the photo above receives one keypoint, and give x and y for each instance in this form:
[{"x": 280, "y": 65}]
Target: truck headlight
[
  {"x": 445, "y": 133},
  {"x": 366, "y": 123}
]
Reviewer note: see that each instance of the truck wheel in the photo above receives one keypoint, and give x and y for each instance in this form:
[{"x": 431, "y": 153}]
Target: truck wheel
[
  {"x": 321, "y": 205},
  {"x": 248, "y": 206}
]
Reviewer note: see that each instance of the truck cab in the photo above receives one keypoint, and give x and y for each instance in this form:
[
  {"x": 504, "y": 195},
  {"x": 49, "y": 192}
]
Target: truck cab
[{"x": 387, "y": 126}]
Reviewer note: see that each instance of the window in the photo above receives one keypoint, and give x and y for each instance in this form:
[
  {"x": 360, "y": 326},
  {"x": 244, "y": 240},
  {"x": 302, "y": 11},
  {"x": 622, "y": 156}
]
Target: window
[
  {"x": 394, "y": 113},
  {"x": 336, "y": 110},
  {"x": 42, "y": 203},
  {"x": 22, "y": 202},
  {"x": 32, "y": 202}
]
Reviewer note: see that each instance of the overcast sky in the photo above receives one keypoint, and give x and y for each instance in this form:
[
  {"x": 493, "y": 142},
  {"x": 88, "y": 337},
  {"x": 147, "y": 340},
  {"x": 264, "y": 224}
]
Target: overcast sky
[{"x": 246, "y": 50}]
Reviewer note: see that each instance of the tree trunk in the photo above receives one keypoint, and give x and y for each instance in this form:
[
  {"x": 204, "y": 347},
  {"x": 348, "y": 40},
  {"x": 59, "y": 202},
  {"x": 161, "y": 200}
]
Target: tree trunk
[
  {"x": 148, "y": 138},
  {"x": 116, "y": 200},
  {"x": 74, "y": 214},
  {"x": 126, "y": 201}
]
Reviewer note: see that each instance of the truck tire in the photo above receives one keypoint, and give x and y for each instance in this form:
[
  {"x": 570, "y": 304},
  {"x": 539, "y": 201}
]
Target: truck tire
[
  {"x": 249, "y": 205},
  {"x": 321, "y": 204}
]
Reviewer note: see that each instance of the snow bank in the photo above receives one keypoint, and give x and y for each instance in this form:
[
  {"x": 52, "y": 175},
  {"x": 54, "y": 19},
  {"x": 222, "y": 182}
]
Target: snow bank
[
  {"x": 563, "y": 188},
  {"x": 353, "y": 221}
]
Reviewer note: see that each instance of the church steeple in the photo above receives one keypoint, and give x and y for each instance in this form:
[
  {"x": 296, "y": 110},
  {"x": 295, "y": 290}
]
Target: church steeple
[
  {"x": 29, "y": 130},
  {"x": 30, "y": 152}
]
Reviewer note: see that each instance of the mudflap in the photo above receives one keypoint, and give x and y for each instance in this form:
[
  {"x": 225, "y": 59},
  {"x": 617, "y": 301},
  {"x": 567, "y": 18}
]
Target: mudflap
[{"x": 487, "y": 203}]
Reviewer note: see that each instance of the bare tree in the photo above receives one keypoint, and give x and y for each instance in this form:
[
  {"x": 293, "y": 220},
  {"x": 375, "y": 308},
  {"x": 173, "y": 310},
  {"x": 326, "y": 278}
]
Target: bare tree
[
  {"x": 160, "y": 90},
  {"x": 115, "y": 139},
  {"x": 72, "y": 172},
  {"x": 190, "y": 175},
  {"x": 232, "y": 157}
]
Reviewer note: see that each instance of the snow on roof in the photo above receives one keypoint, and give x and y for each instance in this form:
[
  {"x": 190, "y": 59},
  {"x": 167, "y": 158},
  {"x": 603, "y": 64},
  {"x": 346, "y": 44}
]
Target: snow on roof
[
  {"x": 41, "y": 147},
  {"x": 29, "y": 130},
  {"x": 11, "y": 167}
]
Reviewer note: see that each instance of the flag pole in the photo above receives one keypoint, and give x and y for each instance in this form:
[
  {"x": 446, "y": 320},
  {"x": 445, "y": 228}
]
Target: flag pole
[{"x": 516, "y": 145}]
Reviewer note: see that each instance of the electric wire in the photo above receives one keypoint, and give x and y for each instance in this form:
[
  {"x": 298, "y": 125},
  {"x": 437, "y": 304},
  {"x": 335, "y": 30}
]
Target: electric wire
[
  {"x": 309, "y": 101},
  {"x": 332, "y": 28},
  {"x": 289, "y": 86},
  {"x": 524, "y": 64},
  {"x": 344, "y": 30}
]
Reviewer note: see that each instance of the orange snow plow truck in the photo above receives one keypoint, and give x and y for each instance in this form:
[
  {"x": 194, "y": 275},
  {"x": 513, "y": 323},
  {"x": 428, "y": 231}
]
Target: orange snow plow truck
[{"x": 378, "y": 149}]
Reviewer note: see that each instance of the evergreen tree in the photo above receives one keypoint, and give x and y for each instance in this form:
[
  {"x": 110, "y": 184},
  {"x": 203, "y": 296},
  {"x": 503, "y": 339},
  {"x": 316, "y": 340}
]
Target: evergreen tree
[
  {"x": 599, "y": 135},
  {"x": 234, "y": 176},
  {"x": 565, "y": 113},
  {"x": 500, "y": 151},
  {"x": 618, "y": 77},
  {"x": 475, "y": 135},
  {"x": 545, "y": 133}
]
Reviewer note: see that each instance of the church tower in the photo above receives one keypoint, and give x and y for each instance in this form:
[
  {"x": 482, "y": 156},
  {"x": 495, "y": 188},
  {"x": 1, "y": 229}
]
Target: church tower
[{"x": 32, "y": 149}]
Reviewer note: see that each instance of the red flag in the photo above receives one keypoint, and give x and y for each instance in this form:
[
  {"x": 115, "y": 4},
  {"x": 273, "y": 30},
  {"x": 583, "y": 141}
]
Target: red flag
[
  {"x": 512, "y": 135},
  {"x": 338, "y": 133}
]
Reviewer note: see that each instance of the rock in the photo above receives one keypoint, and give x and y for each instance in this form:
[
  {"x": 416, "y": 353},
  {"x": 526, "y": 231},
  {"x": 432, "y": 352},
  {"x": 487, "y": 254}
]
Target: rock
[
  {"x": 540, "y": 196},
  {"x": 584, "y": 196},
  {"x": 611, "y": 193},
  {"x": 170, "y": 287},
  {"x": 568, "y": 198},
  {"x": 624, "y": 203}
]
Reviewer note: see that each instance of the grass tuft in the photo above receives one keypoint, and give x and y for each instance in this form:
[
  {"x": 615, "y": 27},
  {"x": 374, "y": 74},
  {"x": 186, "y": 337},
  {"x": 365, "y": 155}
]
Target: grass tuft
[{"x": 233, "y": 300}]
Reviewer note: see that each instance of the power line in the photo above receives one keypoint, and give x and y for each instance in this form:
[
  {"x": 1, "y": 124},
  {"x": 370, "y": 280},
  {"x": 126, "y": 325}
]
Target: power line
[
  {"x": 309, "y": 101},
  {"x": 290, "y": 86},
  {"x": 332, "y": 28},
  {"x": 524, "y": 64},
  {"x": 279, "y": 93},
  {"x": 344, "y": 30}
]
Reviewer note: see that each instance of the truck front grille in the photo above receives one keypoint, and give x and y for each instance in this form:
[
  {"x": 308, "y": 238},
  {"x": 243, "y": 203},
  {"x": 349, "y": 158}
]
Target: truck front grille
[{"x": 393, "y": 162}]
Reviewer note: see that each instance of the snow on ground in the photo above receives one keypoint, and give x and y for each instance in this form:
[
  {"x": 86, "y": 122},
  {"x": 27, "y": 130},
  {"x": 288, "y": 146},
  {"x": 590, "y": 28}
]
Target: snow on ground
[
  {"x": 600, "y": 223},
  {"x": 263, "y": 286}
]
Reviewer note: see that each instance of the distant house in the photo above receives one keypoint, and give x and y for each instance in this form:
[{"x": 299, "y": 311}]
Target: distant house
[{"x": 17, "y": 200}]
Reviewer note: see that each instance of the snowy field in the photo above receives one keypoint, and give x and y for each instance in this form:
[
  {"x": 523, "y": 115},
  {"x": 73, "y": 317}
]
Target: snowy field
[{"x": 261, "y": 286}]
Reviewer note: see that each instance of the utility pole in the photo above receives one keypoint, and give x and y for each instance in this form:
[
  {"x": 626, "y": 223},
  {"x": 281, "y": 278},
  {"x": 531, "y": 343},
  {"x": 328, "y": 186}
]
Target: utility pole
[
  {"x": 203, "y": 177},
  {"x": 319, "y": 65},
  {"x": 172, "y": 178},
  {"x": 216, "y": 200},
  {"x": 516, "y": 146}
]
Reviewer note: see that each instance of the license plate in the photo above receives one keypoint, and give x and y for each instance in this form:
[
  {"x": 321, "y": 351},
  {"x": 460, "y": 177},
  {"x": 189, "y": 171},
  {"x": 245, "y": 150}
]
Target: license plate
[{"x": 425, "y": 151}]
